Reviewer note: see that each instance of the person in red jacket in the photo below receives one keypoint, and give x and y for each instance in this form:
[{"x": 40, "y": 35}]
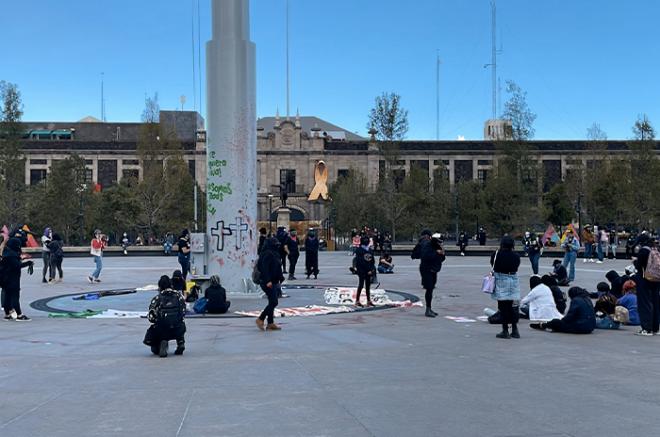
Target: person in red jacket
[{"x": 99, "y": 243}]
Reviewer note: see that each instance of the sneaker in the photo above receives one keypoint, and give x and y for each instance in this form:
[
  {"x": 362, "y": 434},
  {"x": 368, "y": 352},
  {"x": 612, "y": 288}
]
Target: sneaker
[
  {"x": 97, "y": 280},
  {"x": 370, "y": 304},
  {"x": 599, "y": 262},
  {"x": 644, "y": 333},
  {"x": 9, "y": 318},
  {"x": 51, "y": 281},
  {"x": 273, "y": 327},
  {"x": 23, "y": 318},
  {"x": 584, "y": 260},
  {"x": 180, "y": 347},
  {"x": 44, "y": 280},
  {"x": 359, "y": 305},
  {"x": 90, "y": 279},
  {"x": 162, "y": 351}
]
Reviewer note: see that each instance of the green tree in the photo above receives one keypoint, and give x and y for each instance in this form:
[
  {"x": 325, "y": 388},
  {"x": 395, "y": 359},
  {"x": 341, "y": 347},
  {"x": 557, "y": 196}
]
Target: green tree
[
  {"x": 388, "y": 118},
  {"x": 12, "y": 161},
  {"x": 351, "y": 206},
  {"x": 558, "y": 207},
  {"x": 518, "y": 112},
  {"x": 468, "y": 211},
  {"x": 645, "y": 168}
]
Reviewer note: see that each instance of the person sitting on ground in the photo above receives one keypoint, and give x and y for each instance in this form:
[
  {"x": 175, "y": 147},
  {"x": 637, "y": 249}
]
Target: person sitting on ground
[
  {"x": 216, "y": 297},
  {"x": 540, "y": 302},
  {"x": 557, "y": 294},
  {"x": 616, "y": 282},
  {"x": 178, "y": 283},
  {"x": 629, "y": 301},
  {"x": 560, "y": 273},
  {"x": 606, "y": 302},
  {"x": 581, "y": 317},
  {"x": 166, "y": 314},
  {"x": 386, "y": 263}
]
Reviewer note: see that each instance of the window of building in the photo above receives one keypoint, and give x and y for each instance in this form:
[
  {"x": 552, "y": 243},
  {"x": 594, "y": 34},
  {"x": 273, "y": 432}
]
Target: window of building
[
  {"x": 484, "y": 162},
  {"x": 89, "y": 175},
  {"x": 131, "y": 174},
  {"x": 551, "y": 174},
  {"x": 440, "y": 162},
  {"x": 39, "y": 162},
  {"x": 343, "y": 173},
  {"x": 483, "y": 175},
  {"x": 130, "y": 162},
  {"x": 399, "y": 177},
  {"x": 288, "y": 180},
  {"x": 89, "y": 162},
  {"x": 107, "y": 172},
  {"x": 36, "y": 176},
  {"x": 421, "y": 164},
  {"x": 463, "y": 170}
]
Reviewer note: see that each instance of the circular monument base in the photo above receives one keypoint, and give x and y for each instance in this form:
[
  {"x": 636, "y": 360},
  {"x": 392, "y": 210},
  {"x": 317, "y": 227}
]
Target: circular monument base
[{"x": 301, "y": 300}]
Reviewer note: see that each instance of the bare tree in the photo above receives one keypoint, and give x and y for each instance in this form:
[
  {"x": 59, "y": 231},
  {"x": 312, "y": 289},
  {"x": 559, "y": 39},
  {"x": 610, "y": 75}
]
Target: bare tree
[
  {"x": 643, "y": 129},
  {"x": 517, "y": 111}
]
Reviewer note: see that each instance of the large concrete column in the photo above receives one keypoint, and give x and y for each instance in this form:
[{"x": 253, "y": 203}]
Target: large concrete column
[{"x": 231, "y": 146}]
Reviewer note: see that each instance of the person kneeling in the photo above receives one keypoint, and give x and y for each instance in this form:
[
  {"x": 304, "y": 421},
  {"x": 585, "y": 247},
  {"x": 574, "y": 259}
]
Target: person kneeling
[
  {"x": 216, "y": 297},
  {"x": 386, "y": 264},
  {"x": 166, "y": 313},
  {"x": 581, "y": 317}
]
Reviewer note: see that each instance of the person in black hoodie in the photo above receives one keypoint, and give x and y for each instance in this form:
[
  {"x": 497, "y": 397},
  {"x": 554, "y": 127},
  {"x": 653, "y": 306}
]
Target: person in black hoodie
[
  {"x": 581, "y": 317},
  {"x": 433, "y": 255},
  {"x": 560, "y": 273},
  {"x": 648, "y": 293},
  {"x": 365, "y": 264},
  {"x": 424, "y": 239},
  {"x": 312, "y": 254},
  {"x": 293, "y": 253},
  {"x": 11, "y": 278},
  {"x": 282, "y": 236},
  {"x": 216, "y": 297},
  {"x": 616, "y": 283},
  {"x": 262, "y": 240},
  {"x": 166, "y": 313},
  {"x": 271, "y": 278},
  {"x": 56, "y": 257},
  {"x": 557, "y": 294}
]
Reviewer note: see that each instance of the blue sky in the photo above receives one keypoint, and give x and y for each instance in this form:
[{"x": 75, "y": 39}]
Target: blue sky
[{"x": 580, "y": 61}]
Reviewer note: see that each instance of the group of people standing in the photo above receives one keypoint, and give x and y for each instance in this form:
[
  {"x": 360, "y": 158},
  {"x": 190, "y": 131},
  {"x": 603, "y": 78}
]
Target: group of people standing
[
  {"x": 289, "y": 249},
  {"x": 52, "y": 254}
]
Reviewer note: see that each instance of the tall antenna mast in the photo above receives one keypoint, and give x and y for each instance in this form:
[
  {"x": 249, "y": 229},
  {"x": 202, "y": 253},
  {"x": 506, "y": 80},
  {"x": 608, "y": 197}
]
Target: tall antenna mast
[
  {"x": 199, "y": 57},
  {"x": 194, "y": 49},
  {"x": 102, "y": 97},
  {"x": 494, "y": 56},
  {"x": 288, "y": 77},
  {"x": 437, "y": 97}
]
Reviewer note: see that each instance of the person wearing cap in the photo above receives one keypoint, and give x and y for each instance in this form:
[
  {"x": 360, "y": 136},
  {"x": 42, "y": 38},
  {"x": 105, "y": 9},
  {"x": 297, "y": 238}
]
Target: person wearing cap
[
  {"x": 96, "y": 250},
  {"x": 433, "y": 255}
]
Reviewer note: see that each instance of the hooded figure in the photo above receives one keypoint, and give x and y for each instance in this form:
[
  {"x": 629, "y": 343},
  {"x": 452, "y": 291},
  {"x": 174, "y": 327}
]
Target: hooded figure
[
  {"x": 216, "y": 296},
  {"x": 581, "y": 317},
  {"x": 648, "y": 292},
  {"x": 557, "y": 294},
  {"x": 11, "y": 289},
  {"x": 312, "y": 254},
  {"x": 166, "y": 313},
  {"x": 271, "y": 278},
  {"x": 616, "y": 283}
]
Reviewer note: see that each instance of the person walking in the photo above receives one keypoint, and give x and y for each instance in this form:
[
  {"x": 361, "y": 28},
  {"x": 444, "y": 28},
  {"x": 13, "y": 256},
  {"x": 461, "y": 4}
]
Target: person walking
[
  {"x": 534, "y": 249},
  {"x": 184, "y": 252},
  {"x": 98, "y": 244},
  {"x": 56, "y": 257},
  {"x": 312, "y": 254},
  {"x": 588, "y": 240},
  {"x": 270, "y": 281},
  {"x": 571, "y": 246},
  {"x": 282, "y": 236},
  {"x": 293, "y": 253},
  {"x": 462, "y": 243},
  {"x": 648, "y": 292},
  {"x": 432, "y": 257},
  {"x": 482, "y": 237},
  {"x": 262, "y": 240},
  {"x": 46, "y": 238},
  {"x": 11, "y": 287},
  {"x": 505, "y": 263}
]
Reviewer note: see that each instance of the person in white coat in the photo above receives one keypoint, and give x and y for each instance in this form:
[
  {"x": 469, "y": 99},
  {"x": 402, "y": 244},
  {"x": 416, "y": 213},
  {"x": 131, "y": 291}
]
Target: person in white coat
[{"x": 542, "y": 307}]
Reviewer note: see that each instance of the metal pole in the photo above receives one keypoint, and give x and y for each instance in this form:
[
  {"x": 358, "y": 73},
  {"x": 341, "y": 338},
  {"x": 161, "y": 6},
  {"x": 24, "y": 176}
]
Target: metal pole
[
  {"x": 437, "y": 99},
  {"x": 494, "y": 58},
  {"x": 288, "y": 77},
  {"x": 270, "y": 214},
  {"x": 195, "y": 195}
]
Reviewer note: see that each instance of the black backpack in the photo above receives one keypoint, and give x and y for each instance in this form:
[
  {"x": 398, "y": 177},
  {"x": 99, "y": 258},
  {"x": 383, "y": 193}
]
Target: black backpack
[
  {"x": 256, "y": 273},
  {"x": 170, "y": 311}
]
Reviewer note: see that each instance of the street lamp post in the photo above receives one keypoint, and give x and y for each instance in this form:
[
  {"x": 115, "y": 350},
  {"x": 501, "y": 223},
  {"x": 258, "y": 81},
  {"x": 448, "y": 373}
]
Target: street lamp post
[{"x": 270, "y": 214}]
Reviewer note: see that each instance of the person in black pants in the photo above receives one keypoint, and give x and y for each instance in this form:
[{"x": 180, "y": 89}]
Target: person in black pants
[
  {"x": 166, "y": 314},
  {"x": 648, "y": 293},
  {"x": 184, "y": 252},
  {"x": 312, "y": 254},
  {"x": 580, "y": 319},
  {"x": 505, "y": 263},
  {"x": 12, "y": 265},
  {"x": 365, "y": 264},
  {"x": 424, "y": 239},
  {"x": 282, "y": 236},
  {"x": 293, "y": 253},
  {"x": 271, "y": 279},
  {"x": 433, "y": 255}
]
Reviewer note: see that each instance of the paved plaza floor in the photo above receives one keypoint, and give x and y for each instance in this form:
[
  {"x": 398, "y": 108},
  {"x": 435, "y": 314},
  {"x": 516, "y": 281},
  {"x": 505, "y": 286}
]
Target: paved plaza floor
[{"x": 384, "y": 373}]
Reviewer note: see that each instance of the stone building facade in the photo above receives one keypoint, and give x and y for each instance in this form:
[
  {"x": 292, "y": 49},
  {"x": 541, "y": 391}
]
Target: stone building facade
[{"x": 288, "y": 151}]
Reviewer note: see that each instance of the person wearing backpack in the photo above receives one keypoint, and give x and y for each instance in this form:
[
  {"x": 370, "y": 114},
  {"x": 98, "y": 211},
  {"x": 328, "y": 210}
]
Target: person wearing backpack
[
  {"x": 11, "y": 280},
  {"x": 166, "y": 314},
  {"x": 270, "y": 280},
  {"x": 56, "y": 258},
  {"x": 647, "y": 263}
]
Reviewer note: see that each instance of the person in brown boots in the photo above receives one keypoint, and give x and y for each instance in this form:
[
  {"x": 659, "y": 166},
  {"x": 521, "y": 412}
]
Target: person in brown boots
[{"x": 271, "y": 278}]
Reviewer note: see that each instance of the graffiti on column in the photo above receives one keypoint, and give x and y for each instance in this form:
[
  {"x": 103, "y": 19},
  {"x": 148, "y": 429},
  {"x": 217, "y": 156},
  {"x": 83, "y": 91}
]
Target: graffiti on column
[{"x": 237, "y": 230}]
